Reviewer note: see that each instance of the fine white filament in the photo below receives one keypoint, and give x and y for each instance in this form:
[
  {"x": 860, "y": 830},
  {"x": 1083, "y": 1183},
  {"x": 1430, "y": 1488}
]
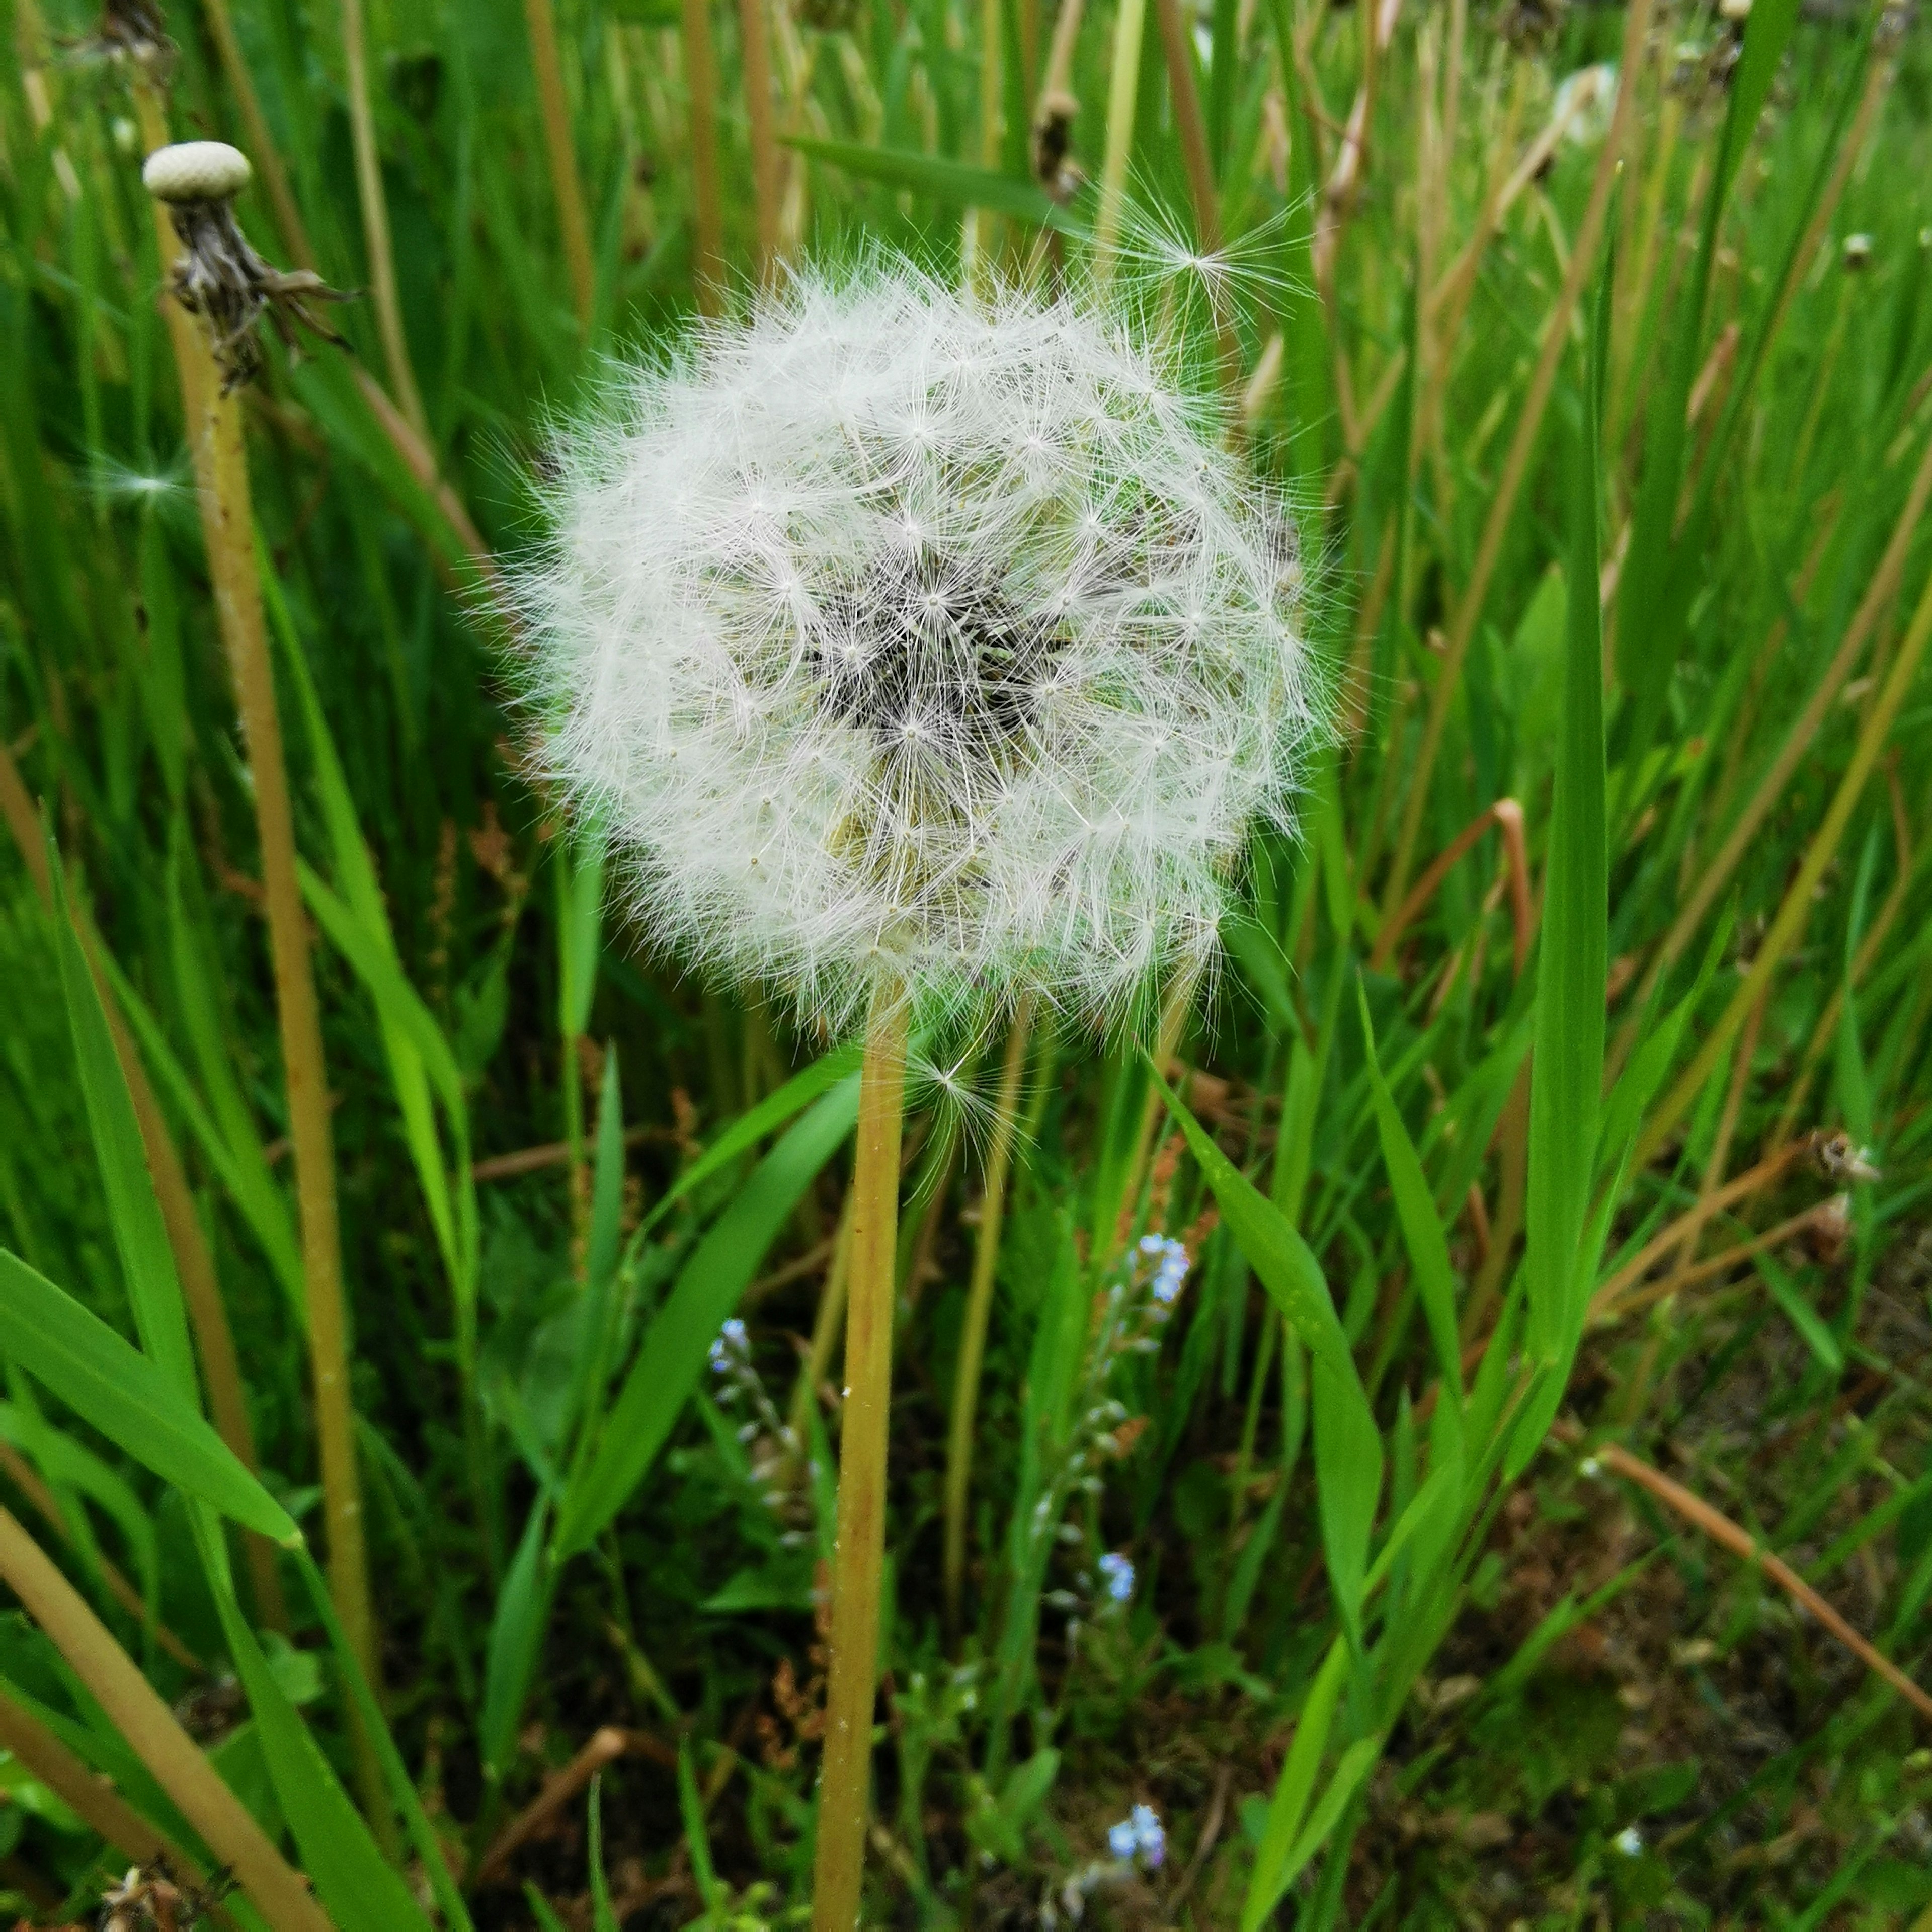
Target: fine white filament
[{"x": 899, "y": 641}]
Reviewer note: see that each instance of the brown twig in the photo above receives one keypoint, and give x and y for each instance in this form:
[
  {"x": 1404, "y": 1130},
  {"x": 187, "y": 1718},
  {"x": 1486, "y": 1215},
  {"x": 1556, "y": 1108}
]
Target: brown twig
[
  {"x": 1506, "y": 815},
  {"x": 1692, "y": 1274},
  {"x": 549, "y": 1153},
  {"x": 603, "y": 1746},
  {"x": 1742, "y": 1543},
  {"x": 1772, "y": 1167}
]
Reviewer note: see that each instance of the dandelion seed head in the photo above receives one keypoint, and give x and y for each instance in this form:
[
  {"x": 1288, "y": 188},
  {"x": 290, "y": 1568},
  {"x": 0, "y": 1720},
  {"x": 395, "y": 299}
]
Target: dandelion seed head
[{"x": 902, "y": 642}]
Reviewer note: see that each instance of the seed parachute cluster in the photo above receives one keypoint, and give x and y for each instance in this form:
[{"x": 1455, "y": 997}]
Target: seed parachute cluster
[{"x": 899, "y": 642}]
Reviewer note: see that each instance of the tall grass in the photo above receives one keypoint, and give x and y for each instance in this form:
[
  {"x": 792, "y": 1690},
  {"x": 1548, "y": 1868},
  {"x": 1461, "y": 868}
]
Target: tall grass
[{"x": 1566, "y": 1089}]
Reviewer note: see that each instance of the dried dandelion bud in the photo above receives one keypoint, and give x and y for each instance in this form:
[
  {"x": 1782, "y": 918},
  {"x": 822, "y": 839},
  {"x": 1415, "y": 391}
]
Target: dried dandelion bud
[
  {"x": 903, "y": 643},
  {"x": 218, "y": 276}
]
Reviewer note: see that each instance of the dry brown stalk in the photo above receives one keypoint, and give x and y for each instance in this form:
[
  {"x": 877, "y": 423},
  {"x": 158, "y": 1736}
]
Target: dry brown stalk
[
  {"x": 1720, "y": 1528},
  {"x": 1690, "y": 1274},
  {"x": 21, "y": 1474},
  {"x": 1529, "y": 421},
  {"x": 1506, "y": 815},
  {"x": 151, "y": 1731},
  {"x": 87, "y": 1793},
  {"x": 755, "y": 51},
  {"x": 1773, "y": 1167},
  {"x": 604, "y": 1746},
  {"x": 565, "y": 186},
  {"x": 377, "y": 246},
  {"x": 701, "y": 81}
]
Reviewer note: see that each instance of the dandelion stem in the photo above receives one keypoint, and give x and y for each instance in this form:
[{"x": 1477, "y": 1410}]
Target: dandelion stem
[
  {"x": 138, "y": 1713},
  {"x": 979, "y": 1307},
  {"x": 859, "y": 1554},
  {"x": 221, "y": 473},
  {"x": 564, "y": 181},
  {"x": 376, "y": 220}
]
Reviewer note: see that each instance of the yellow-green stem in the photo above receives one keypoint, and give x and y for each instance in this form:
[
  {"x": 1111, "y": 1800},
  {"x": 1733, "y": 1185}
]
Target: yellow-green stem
[
  {"x": 1792, "y": 914},
  {"x": 859, "y": 1554},
  {"x": 90, "y": 1797},
  {"x": 221, "y": 476},
  {"x": 150, "y": 1731},
  {"x": 375, "y": 219},
  {"x": 982, "y": 231},
  {"x": 562, "y": 151},
  {"x": 979, "y": 1309},
  {"x": 1123, "y": 95}
]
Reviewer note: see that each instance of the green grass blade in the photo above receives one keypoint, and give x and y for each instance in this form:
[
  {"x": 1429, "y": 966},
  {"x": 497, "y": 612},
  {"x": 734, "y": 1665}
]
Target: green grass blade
[
  {"x": 675, "y": 1346},
  {"x": 128, "y": 1396}
]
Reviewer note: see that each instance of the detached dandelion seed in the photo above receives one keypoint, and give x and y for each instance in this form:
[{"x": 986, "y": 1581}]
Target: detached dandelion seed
[{"x": 923, "y": 660}]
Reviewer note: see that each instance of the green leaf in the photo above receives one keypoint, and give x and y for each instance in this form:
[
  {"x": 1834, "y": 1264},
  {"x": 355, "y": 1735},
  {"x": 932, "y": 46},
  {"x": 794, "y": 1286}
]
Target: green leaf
[
  {"x": 1567, "y": 1068},
  {"x": 128, "y": 1397},
  {"x": 1293, "y": 1789},
  {"x": 1415, "y": 1209},
  {"x": 133, "y": 1214},
  {"x": 356, "y": 1885},
  {"x": 955, "y": 184},
  {"x": 1356, "y": 1762},
  {"x": 752, "y": 1126},
  {"x": 678, "y": 1340},
  {"x": 516, "y": 1636},
  {"x": 1347, "y": 1445}
]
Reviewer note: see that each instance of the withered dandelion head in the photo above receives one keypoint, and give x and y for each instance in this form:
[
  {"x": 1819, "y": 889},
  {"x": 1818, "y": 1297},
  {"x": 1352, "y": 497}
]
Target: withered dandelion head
[{"x": 218, "y": 275}]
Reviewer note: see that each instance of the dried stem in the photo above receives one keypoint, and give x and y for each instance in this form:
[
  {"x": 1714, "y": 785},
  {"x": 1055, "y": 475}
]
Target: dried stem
[
  {"x": 1796, "y": 907},
  {"x": 1556, "y": 340},
  {"x": 376, "y": 220},
  {"x": 562, "y": 151},
  {"x": 1123, "y": 93},
  {"x": 701, "y": 82},
  {"x": 979, "y": 1308},
  {"x": 1506, "y": 816},
  {"x": 149, "y": 1727},
  {"x": 85, "y": 1793},
  {"x": 267, "y": 158},
  {"x": 755, "y": 53},
  {"x": 859, "y": 1553},
  {"x": 221, "y": 470},
  {"x": 1740, "y": 1542}
]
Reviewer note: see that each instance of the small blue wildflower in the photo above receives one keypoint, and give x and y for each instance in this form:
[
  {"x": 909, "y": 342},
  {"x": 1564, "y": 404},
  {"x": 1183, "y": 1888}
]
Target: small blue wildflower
[
  {"x": 1120, "y": 1839},
  {"x": 1171, "y": 1274},
  {"x": 1116, "y": 1572},
  {"x": 1630, "y": 1841},
  {"x": 731, "y": 1342},
  {"x": 1149, "y": 1837}
]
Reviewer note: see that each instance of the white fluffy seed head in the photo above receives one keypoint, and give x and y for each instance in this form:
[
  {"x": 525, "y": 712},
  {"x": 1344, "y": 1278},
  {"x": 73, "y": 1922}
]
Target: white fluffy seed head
[
  {"x": 899, "y": 643},
  {"x": 196, "y": 171}
]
